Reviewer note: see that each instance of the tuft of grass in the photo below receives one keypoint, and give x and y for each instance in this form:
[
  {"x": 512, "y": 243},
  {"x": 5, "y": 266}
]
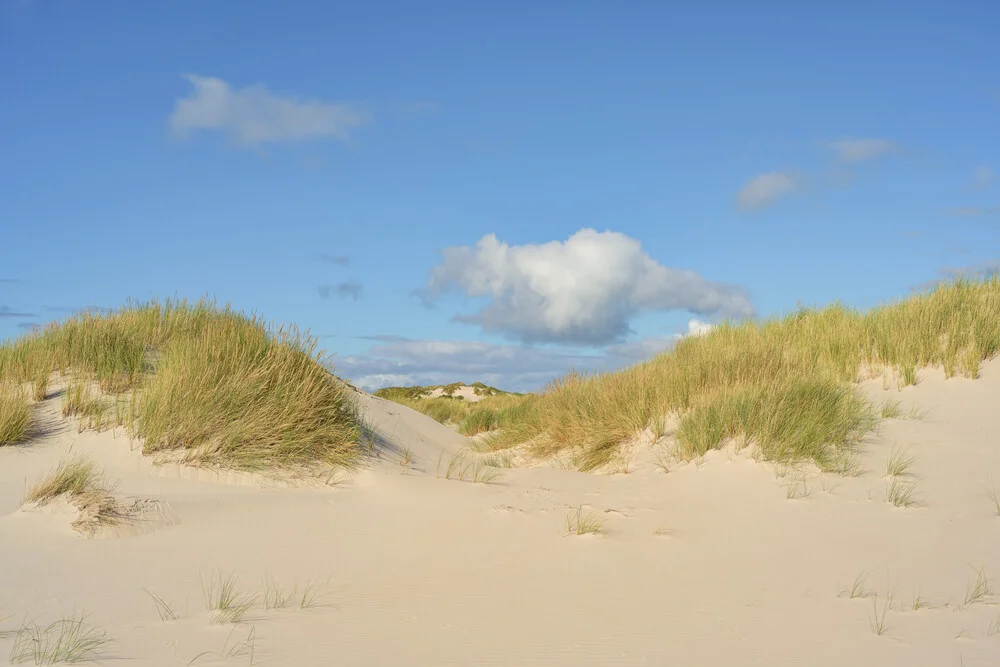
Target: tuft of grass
[
  {"x": 163, "y": 609},
  {"x": 899, "y": 463},
  {"x": 579, "y": 523},
  {"x": 15, "y": 414},
  {"x": 901, "y": 494},
  {"x": 40, "y": 387},
  {"x": 979, "y": 590},
  {"x": 225, "y": 600},
  {"x": 68, "y": 640},
  {"x": 91, "y": 409},
  {"x": 858, "y": 588},
  {"x": 994, "y": 627},
  {"x": 892, "y": 409},
  {"x": 877, "y": 617},
  {"x": 919, "y": 602},
  {"x": 797, "y": 489},
  {"x": 80, "y": 481},
  {"x": 465, "y": 469},
  {"x": 309, "y": 597},
  {"x": 275, "y": 596},
  {"x": 995, "y": 497}
]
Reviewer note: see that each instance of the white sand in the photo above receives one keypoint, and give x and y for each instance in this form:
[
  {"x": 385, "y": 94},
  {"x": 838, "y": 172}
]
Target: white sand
[{"x": 419, "y": 570}]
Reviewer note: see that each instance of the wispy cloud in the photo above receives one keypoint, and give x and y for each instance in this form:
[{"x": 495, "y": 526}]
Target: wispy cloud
[
  {"x": 342, "y": 290},
  {"x": 29, "y": 326},
  {"x": 9, "y": 280},
  {"x": 765, "y": 189},
  {"x": 983, "y": 177},
  {"x": 861, "y": 150},
  {"x": 326, "y": 258},
  {"x": 253, "y": 115},
  {"x": 973, "y": 211},
  {"x": 584, "y": 290},
  {"x": 6, "y": 312}
]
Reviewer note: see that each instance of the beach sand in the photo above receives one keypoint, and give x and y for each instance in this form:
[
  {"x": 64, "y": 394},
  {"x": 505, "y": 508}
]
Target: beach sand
[{"x": 726, "y": 561}]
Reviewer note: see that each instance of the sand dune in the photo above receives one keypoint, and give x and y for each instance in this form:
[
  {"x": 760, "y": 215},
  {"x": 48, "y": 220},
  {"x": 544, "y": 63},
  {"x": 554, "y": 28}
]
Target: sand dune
[{"x": 724, "y": 561}]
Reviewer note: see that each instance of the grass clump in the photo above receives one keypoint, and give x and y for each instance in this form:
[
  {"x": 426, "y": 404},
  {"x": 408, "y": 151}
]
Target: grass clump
[
  {"x": 68, "y": 640},
  {"x": 858, "y": 589},
  {"x": 212, "y": 383},
  {"x": 979, "y": 590},
  {"x": 787, "y": 386},
  {"x": 899, "y": 463},
  {"x": 578, "y": 523},
  {"x": 225, "y": 600},
  {"x": 465, "y": 468},
  {"x": 877, "y": 617},
  {"x": 79, "y": 480},
  {"x": 901, "y": 494},
  {"x": 15, "y": 414}
]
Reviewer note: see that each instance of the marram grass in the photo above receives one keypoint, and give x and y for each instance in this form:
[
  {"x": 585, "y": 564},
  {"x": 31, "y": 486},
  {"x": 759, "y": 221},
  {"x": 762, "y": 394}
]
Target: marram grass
[
  {"x": 211, "y": 382},
  {"x": 786, "y": 385}
]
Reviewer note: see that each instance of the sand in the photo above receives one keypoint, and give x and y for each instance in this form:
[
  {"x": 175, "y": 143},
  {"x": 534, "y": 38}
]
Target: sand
[{"x": 710, "y": 563}]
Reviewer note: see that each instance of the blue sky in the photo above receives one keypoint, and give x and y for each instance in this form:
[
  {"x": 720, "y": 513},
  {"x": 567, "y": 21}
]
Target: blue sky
[{"x": 444, "y": 191}]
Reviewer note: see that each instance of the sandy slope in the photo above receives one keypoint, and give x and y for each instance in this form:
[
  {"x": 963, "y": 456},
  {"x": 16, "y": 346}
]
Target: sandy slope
[{"x": 709, "y": 564}]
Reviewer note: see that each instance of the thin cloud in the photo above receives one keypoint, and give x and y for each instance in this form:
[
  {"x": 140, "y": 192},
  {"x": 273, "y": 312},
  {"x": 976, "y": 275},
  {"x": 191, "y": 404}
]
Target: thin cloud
[
  {"x": 861, "y": 150},
  {"x": 253, "y": 115},
  {"x": 29, "y": 326},
  {"x": 973, "y": 211},
  {"x": 10, "y": 280},
  {"x": 584, "y": 290},
  {"x": 766, "y": 189},
  {"x": 342, "y": 290},
  {"x": 326, "y": 258},
  {"x": 6, "y": 312},
  {"x": 983, "y": 177}
]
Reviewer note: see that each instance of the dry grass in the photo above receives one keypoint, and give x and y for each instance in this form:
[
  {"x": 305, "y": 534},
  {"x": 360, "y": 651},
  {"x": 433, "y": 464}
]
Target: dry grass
[
  {"x": 79, "y": 480},
  {"x": 787, "y": 385},
  {"x": 466, "y": 468},
  {"x": 217, "y": 385},
  {"x": 225, "y": 600},
  {"x": 68, "y": 640},
  {"x": 578, "y": 523},
  {"x": 15, "y": 414}
]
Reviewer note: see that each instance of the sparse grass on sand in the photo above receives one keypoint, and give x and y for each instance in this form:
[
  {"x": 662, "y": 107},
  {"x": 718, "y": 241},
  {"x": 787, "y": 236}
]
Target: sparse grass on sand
[
  {"x": 787, "y": 386},
  {"x": 578, "y": 523},
  {"x": 68, "y": 640},
  {"x": 466, "y": 468},
  {"x": 79, "y": 480},
  {"x": 212, "y": 383},
  {"x": 15, "y": 414},
  {"x": 225, "y": 600},
  {"x": 979, "y": 590}
]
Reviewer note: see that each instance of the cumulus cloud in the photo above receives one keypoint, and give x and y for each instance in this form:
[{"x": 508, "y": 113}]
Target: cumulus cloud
[
  {"x": 861, "y": 150},
  {"x": 584, "y": 290},
  {"x": 342, "y": 290},
  {"x": 765, "y": 189},
  {"x": 253, "y": 115}
]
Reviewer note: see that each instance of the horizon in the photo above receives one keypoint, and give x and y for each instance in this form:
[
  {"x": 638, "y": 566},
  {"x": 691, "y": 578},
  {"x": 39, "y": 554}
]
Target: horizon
[{"x": 495, "y": 195}]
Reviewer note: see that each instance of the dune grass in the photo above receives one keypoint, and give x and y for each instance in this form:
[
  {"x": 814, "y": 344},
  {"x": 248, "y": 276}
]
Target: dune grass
[
  {"x": 215, "y": 384},
  {"x": 15, "y": 414},
  {"x": 66, "y": 641},
  {"x": 578, "y": 523},
  {"x": 787, "y": 386},
  {"x": 79, "y": 480},
  {"x": 225, "y": 600}
]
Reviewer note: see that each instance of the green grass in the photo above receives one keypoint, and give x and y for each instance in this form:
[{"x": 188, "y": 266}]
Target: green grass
[
  {"x": 899, "y": 463},
  {"x": 163, "y": 608},
  {"x": 68, "y": 640},
  {"x": 979, "y": 590},
  {"x": 218, "y": 386},
  {"x": 877, "y": 617},
  {"x": 901, "y": 494},
  {"x": 466, "y": 468},
  {"x": 15, "y": 414},
  {"x": 788, "y": 386}
]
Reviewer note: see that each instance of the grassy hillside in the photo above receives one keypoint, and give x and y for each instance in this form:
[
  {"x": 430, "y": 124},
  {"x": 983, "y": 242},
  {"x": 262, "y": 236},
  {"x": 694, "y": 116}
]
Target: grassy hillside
[
  {"x": 787, "y": 385},
  {"x": 450, "y": 408},
  {"x": 194, "y": 377}
]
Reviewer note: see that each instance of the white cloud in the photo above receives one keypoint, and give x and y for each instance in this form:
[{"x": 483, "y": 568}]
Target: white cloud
[
  {"x": 983, "y": 176},
  {"x": 860, "y": 150},
  {"x": 765, "y": 189},
  {"x": 584, "y": 290},
  {"x": 253, "y": 115}
]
